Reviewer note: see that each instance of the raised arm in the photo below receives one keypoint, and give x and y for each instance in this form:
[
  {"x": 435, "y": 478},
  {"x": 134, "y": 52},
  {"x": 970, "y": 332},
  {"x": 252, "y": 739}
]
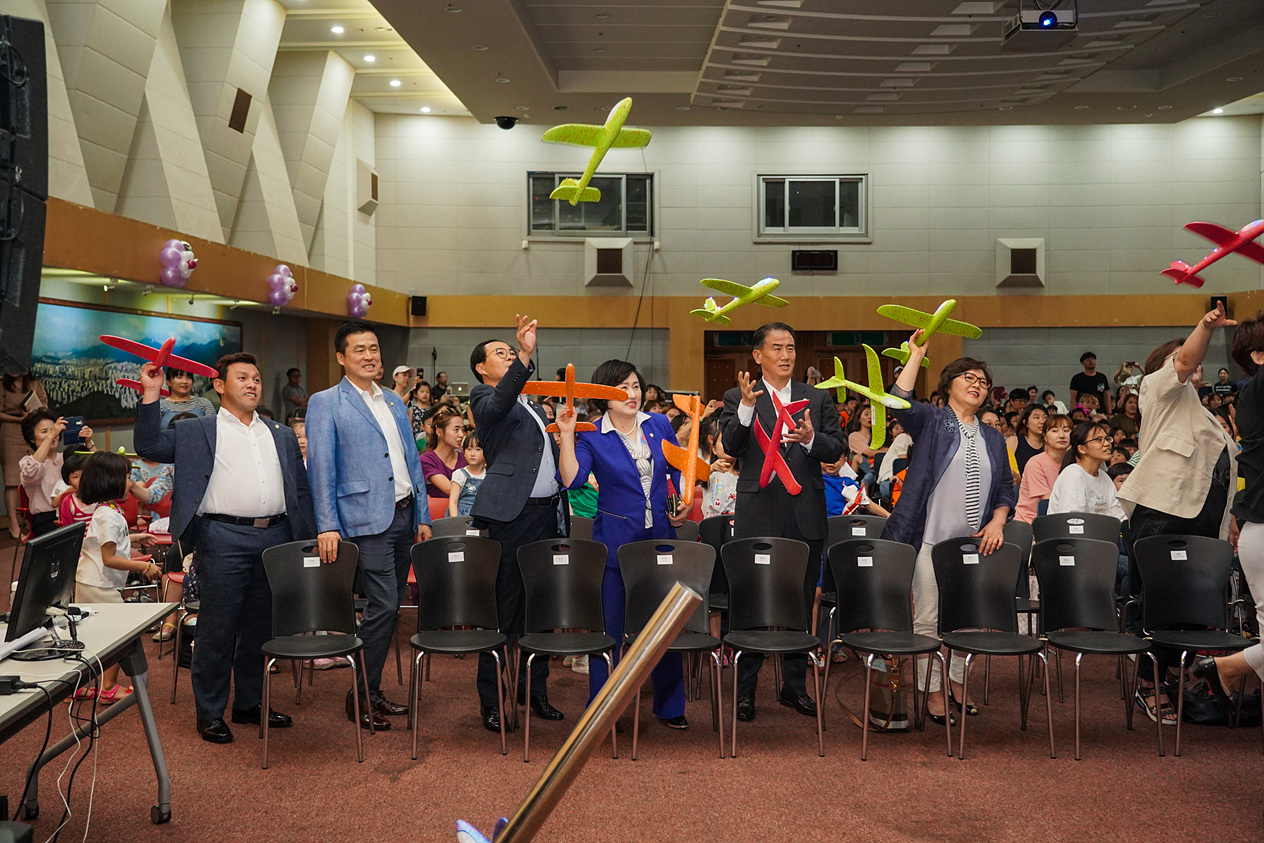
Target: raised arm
[
  {"x": 1191, "y": 354},
  {"x": 150, "y": 440}
]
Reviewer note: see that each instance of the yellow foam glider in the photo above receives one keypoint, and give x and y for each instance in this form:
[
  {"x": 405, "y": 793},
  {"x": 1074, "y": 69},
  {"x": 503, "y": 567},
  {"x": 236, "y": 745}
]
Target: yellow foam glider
[
  {"x": 759, "y": 293},
  {"x": 879, "y": 398},
  {"x": 610, "y": 135}
]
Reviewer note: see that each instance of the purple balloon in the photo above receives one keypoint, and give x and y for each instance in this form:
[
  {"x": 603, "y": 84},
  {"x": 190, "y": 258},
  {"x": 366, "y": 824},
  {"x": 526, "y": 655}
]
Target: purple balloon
[
  {"x": 278, "y": 281},
  {"x": 283, "y": 270},
  {"x": 278, "y": 298},
  {"x": 171, "y": 277},
  {"x": 170, "y": 257},
  {"x": 357, "y": 288}
]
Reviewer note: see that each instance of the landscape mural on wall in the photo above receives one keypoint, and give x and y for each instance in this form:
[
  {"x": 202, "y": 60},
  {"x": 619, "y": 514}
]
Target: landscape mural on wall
[{"x": 78, "y": 370}]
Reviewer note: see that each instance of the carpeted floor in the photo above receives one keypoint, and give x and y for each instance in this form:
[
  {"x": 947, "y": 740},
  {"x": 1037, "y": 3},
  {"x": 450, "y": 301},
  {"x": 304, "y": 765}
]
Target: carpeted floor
[{"x": 776, "y": 790}]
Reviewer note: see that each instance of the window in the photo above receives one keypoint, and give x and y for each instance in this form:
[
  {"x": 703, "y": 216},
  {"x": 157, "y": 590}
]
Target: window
[
  {"x": 828, "y": 205},
  {"x": 625, "y": 208}
]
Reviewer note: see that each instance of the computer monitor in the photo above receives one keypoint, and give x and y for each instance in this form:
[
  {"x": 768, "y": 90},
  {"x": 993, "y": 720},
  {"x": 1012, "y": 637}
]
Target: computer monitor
[{"x": 47, "y": 579}]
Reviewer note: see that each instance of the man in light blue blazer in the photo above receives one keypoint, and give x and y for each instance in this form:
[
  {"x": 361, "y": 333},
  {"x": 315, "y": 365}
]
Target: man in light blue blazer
[{"x": 367, "y": 486}]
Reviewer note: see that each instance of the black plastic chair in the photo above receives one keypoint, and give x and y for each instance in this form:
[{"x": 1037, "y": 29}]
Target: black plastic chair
[
  {"x": 1076, "y": 525},
  {"x": 716, "y": 531},
  {"x": 456, "y": 581},
  {"x": 310, "y": 596},
  {"x": 1078, "y": 612},
  {"x": 977, "y": 617},
  {"x": 767, "y": 613},
  {"x": 561, "y": 581},
  {"x": 875, "y": 582},
  {"x": 1185, "y": 583},
  {"x": 844, "y": 528},
  {"x": 188, "y": 610},
  {"x": 454, "y": 525},
  {"x": 687, "y": 532},
  {"x": 649, "y": 569},
  {"x": 581, "y": 528}
]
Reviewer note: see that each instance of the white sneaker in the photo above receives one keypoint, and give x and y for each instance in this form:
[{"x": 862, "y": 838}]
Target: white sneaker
[{"x": 580, "y": 665}]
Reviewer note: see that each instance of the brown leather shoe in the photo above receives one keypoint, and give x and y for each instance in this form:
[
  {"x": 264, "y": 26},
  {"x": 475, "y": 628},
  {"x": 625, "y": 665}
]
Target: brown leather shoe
[
  {"x": 382, "y": 705},
  {"x": 367, "y": 715}
]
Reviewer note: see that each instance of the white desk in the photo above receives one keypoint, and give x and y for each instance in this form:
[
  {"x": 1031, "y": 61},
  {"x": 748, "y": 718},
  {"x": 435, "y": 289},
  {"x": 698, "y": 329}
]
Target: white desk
[{"x": 113, "y": 635}]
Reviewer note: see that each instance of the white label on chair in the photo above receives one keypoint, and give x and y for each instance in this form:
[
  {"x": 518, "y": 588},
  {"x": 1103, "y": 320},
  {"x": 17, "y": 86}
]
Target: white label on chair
[
  {"x": 1075, "y": 529},
  {"x": 471, "y": 532},
  {"x": 664, "y": 558},
  {"x": 970, "y": 559},
  {"x": 1179, "y": 556},
  {"x": 858, "y": 531},
  {"x": 561, "y": 559},
  {"x": 311, "y": 561},
  {"x": 763, "y": 559},
  {"x": 456, "y": 556},
  {"x": 1068, "y": 561},
  {"x": 864, "y": 561}
]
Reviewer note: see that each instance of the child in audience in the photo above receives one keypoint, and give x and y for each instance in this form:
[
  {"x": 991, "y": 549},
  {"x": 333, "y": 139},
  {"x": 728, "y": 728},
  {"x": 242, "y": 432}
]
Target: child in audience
[
  {"x": 466, "y": 480},
  {"x": 299, "y": 426},
  {"x": 41, "y": 471},
  {"x": 106, "y": 558},
  {"x": 720, "y": 495},
  {"x": 71, "y": 510},
  {"x": 843, "y": 492}
]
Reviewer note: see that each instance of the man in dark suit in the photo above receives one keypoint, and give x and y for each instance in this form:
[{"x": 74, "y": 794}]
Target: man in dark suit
[
  {"x": 240, "y": 488},
  {"x": 773, "y": 510},
  {"x": 519, "y": 502}
]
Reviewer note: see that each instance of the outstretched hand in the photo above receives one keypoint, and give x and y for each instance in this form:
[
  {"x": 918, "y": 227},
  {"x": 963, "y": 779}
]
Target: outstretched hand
[
  {"x": 747, "y": 385},
  {"x": 526, "y": 337},
  {"x": 1217, "y": 318},
  {"x": 151, "y": 378},
  {"x": 566, "y": 420},
  {"x": 803, "y": 433}
]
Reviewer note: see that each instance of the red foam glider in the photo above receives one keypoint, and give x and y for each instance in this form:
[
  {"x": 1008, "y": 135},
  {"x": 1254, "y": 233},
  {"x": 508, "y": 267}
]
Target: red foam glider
[
  {"x": 771, "y": 445},
  {"x": 160, "y": 356},
  {"x": 1242, "y": 242},
  {"x": 693, "y": 469},
  {"x": 568, "y": 390},
  {"x": 136, "y": 385}
]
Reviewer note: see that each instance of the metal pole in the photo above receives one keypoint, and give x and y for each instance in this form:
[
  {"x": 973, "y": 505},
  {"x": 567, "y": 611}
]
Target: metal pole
[{"x": 634, "y": 668}]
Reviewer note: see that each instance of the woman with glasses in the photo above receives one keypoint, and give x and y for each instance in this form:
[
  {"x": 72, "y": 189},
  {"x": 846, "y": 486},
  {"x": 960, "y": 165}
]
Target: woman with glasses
[
  {"x": 958, "y": 483},
  {"x": 1082, "y": 485},
  {"x": 625, "y": 455},
  {"x": 443, "y": 452},
  {"x": 1187, "y": 471}
]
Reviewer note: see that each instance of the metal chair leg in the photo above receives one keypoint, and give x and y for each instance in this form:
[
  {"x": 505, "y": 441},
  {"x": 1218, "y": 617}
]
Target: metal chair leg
[
  {"x": 987, "y": 678},
  {"x": 864, "y": 711},
  {"x": 717, "y": 716},
  {"x": 1078, "y": 657},
  {"x": 1180, "y": 699},
  {"x": 1048, "y": 706},
  {"x": 965, "y": 695},
  {"x": 175, "y": 660},
  {"x": 500, "y": 700},
  {"x": 816, "y": 687},
  {"x": 358, "y": 671},
  {"x": 737, "y": 654},
  {"x": 526, "y": 714},
  {"x": 414, "y": 699},
  {"x": 614, "y": 727},
  {"x": 943, "y": 674},
  {"x": 264, "y": 709}
]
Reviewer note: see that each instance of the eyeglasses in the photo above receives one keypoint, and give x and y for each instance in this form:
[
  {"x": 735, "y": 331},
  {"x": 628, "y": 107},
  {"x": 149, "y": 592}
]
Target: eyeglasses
[
  {"x": 1105, "y": 439},
  {"x": 505, "y": 353},
  {"x": 972, "y": 379}
]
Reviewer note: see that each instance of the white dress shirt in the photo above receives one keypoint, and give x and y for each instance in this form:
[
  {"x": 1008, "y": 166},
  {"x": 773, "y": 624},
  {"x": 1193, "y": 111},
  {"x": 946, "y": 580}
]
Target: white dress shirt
[
  {"x": 246, "y": 481},
  {"x": 545, "y": 480},
  {"x": 378, "y": 402},
  {"x": 746, "y": 414}
]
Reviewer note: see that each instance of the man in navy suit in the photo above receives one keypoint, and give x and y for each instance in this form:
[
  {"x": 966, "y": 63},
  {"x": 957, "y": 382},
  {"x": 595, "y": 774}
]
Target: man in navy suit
[
  {"x": 772, "y": 510},
  {"x": 367, "y": 487},
  {"x": 520, "y": 501},
  {"x": 240, "y": 488}
]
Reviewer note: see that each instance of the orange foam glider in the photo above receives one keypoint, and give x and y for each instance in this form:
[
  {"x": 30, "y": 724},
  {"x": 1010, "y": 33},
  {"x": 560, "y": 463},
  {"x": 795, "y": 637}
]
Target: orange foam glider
[
  {"x": 693, "y": 469},
  {"x": 568, "y": 390},
  {"x": 160, "y": 356}
]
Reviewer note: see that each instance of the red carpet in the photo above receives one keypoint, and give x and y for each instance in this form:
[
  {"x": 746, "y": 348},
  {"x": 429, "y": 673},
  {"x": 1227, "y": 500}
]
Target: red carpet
[{"x": 777, "y": 790}]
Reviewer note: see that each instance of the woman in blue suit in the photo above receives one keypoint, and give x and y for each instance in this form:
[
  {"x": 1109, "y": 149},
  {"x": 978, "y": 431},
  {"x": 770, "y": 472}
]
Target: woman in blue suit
[{"x": 626, "y": 455}]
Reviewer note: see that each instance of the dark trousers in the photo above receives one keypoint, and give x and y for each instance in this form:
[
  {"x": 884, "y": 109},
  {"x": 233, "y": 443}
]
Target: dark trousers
[
  {"x": 383, "y": 570},
  {"x": 534, "y": 524},
  {"x": 794, "y": 666},
  {"x": 235, "y": 618}
]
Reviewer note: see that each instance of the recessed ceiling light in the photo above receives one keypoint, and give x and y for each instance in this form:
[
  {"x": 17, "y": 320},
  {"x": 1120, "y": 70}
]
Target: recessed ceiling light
[
  {"x": 479, "y": 48},
  {"x": 1125, "y": 107},
  {"x": 425, "y": 109},
  {"x": 501, "y": 79},
  {"x": 395, "y": 83},
  {"x": 370, "y": 58},
  {"x": 682, "y": 108},
  {"x": 1165, "y": 108},
  {"x": 1006, "y": 108},
  {"x": 337, "y": 30},
  {"x": 383, "y": 29},
  {"x": 561, "y": 108},
  {"x": 599, "y": 49},
  {"x": 1083, "y": 107},
  {"x": 601, "y": 16},
  {"x": 1234, "y": 79},
  {"x": 524, "y": 108},
  {"x": 452, "y": 9},
  {"x": 1217, "y": 111}
]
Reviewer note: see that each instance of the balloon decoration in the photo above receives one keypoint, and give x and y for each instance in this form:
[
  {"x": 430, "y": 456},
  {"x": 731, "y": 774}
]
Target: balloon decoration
[
  {"x": 281, "y": 286},
  {"x": 178, "y": 263},
  {"x": 358, "y": 301}
]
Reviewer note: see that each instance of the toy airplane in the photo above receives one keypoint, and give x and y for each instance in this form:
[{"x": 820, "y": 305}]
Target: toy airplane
[
  {"x": 878, "y": 397},
  {"x": 742, "y": 295},
  {"x": 1242, "y": 242},
  {"x": 611, "y": 135},
  {"x": 938, "y": 322},
  {"x": 569, "y": 391},
  {"x": 130, "y": 383},
  {"x": 774, "y": 462},
  {"x": 160, "y": 356},
  {"x": 693, "y": 469},
  {"x": 901, "y": 354}
]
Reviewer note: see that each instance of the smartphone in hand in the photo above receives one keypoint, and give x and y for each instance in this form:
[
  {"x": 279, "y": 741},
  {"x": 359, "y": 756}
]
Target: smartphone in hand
[{"x": 70, "y": 436}]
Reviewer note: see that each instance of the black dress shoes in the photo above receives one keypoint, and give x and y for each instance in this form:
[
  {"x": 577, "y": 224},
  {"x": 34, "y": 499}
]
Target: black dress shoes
[
  {"x": 746, "y": 708},
  {"x": 276, "y": 720},
  {"x": 491, "y": 719},
  {"x": 540, "y": 705},
  {"x": 384, "y": 706},
  {"x": 215, "y": 731},
  {"x": 1205, "y": 669},
  {"x": 801, "y": 703},
  {"x": 368, "y": 714},
  {"x": 675, "y": 722}
]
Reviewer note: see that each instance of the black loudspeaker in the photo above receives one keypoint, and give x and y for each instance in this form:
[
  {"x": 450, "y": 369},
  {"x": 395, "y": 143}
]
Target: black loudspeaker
[
  {"x": 23, "y": 185},
  {"x": 21, "y": 259},
  {"x": 418, "y": 305},
  {"x": 23, "y": 105},
  {"x": 1224, "y": 300}
]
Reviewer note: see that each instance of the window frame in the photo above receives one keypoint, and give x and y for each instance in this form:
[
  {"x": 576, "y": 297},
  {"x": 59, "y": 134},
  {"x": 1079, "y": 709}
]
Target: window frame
[
  {"x": 860, "y": 233},
  {"x": 578, "y": 235}
]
